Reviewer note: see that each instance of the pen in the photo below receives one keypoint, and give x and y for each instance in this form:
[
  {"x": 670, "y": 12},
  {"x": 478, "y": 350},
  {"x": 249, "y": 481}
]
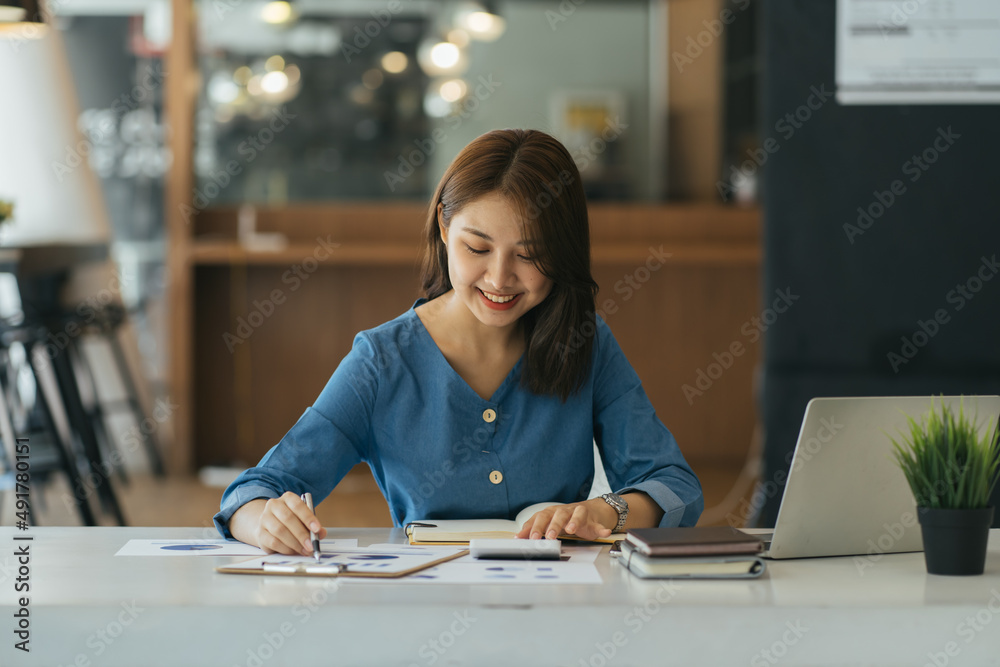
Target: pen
[{"x": 307, "y": 498}]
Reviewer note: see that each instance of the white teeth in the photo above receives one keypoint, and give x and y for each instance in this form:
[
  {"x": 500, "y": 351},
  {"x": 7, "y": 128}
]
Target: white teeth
[{"x": 498, "y": 299}]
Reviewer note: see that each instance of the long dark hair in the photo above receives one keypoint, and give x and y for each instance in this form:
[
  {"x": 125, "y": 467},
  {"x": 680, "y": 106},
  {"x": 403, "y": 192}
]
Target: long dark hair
[{"x": 535, "y": 174}]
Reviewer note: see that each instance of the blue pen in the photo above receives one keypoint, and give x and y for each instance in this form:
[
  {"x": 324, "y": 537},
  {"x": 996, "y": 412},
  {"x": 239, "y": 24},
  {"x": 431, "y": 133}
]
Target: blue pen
[{"x": 307, "y": 498}]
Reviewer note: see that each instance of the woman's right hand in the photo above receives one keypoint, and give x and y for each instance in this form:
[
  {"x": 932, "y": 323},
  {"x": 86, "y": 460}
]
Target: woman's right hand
[{"x": 282, "y": 524}]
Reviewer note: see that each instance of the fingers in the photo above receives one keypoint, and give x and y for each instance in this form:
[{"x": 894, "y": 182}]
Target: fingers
[
  {"x": 284, "y": 526},
  {"x": 560, "y": 517},
  {"x": 274, "y": 537},
  {"x": 534, "y": 528},
  {"x": 577, "y": 519},
  {"x": 525, "y": 532},
  {"x": 574, "y": 519},
  {"x": 593, "y": 530},
  {"x": 302, "y": 511},
  {"x": 552, "y": 522}
]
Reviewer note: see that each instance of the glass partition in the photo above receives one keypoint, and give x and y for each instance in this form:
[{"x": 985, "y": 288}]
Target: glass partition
[{"x": 313, "y": 100}]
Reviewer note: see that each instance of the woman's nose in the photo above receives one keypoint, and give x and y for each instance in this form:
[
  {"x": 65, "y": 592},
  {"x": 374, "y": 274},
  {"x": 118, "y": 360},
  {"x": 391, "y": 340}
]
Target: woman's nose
[{"x": 499, "y": 272}]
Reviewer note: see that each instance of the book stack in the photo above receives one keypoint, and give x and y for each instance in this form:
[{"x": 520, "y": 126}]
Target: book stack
[{"x": 708, "y": 552}]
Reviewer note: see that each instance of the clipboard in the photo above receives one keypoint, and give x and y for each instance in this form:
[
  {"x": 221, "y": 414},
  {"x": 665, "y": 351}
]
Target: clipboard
[{"x": 298, "y": 566}]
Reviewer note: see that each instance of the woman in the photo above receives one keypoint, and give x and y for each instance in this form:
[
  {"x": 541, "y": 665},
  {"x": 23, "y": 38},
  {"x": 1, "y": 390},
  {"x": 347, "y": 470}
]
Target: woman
[{"x": 488, "y": 394}]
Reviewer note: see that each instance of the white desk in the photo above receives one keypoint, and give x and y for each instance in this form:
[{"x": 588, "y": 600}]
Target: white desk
[{"x": 179, "y": 611}]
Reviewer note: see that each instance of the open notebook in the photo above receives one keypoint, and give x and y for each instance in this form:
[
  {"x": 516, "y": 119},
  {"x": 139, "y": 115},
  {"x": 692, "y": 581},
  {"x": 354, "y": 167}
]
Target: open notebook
[{"x": 460, "y": 531}]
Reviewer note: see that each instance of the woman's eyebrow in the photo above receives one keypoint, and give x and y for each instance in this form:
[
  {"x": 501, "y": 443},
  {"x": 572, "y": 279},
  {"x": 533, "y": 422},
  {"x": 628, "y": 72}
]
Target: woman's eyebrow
[{"x": 483, "y": 235}]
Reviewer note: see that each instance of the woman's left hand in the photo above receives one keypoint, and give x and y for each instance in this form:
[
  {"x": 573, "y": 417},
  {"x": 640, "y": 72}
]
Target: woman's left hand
[{"x": 588, "y": 520}]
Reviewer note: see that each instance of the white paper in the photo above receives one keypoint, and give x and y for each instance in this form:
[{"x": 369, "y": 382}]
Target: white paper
[
  {"x": 918, "y": 51},
  {"x": 502, "y": 572},
  {"x": 216, "y": 547},
  {"x": 577, "y": 568}
]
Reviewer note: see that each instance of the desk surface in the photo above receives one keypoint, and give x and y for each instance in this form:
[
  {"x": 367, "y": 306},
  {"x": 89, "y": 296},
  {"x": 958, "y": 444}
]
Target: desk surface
[{"x": 88, "y": 607}]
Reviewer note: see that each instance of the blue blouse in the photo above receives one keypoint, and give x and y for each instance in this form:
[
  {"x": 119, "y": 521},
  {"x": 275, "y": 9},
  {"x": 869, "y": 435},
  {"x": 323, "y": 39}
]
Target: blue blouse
[{"x": 439, "y": 451}]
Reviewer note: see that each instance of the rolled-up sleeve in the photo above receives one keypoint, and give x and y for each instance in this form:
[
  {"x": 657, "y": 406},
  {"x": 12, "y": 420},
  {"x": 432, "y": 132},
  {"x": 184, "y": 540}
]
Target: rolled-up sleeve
[
  {"x": 324, "y": 444},
  {"x": 639, "y": 453}
]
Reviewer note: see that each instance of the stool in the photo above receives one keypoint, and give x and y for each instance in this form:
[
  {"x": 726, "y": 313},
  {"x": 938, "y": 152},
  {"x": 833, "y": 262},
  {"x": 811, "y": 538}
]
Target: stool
[{"x": 49, "y": 452}]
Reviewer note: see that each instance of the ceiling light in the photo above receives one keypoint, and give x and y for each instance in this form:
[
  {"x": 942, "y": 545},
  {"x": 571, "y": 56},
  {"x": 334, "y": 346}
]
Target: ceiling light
[
  {"x": 274, "y": 64},
  {"x": 436, "y": 106},
  {"x": 274, "y": 82},
  {"x": 441, "y": 58},
  {"x": 242, "y": 75},
  {"x": 453, "y": 90},
  {"x": 445, "y": 55},
  {"x": 276, "y": 12},
  {"x": 395, "y": 62},
  {"x": 481, "y": 24},
  {"x": 458, "y": 37},
  {"x": 372, "y": 78},
  {"x": 222, "y": 89}
]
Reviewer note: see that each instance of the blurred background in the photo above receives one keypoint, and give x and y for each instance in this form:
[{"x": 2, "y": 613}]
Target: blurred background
[{"x": 203, "y": 202}]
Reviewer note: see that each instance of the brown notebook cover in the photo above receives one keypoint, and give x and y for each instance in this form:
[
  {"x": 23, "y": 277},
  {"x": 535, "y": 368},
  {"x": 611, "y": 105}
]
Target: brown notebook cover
[{"x": 697, "y": 541}]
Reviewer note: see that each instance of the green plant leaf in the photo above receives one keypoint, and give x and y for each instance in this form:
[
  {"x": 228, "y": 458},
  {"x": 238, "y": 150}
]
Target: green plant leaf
[{"x": 945, "y": 462}]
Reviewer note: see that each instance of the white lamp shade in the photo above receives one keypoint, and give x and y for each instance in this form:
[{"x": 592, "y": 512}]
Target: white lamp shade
[{"x": 43, "y": 156}]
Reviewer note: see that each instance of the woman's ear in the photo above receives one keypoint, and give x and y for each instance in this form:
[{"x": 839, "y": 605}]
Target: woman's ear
[{"x": 441, "y": 226}]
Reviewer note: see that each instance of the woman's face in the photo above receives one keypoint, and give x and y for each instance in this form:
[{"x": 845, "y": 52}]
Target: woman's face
[{"x": 488, "y": 263}]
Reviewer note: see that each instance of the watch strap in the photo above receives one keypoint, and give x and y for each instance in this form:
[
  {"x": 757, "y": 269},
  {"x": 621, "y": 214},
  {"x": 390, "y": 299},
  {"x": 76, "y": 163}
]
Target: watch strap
[{"x": 620, "y": 505}]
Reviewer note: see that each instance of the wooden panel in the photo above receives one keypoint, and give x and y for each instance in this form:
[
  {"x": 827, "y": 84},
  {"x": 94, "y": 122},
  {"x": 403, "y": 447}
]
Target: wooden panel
[
  {"x": 250, "y": 392},
  {"x": 364, "y": 254},
  {"x": 179, "y": 99},
  {"x": 669, "y": 328},
  {"x": 404, "y": 222},
  {"x": 347, "y": 221},
  {"x": 694, "y": 127}
]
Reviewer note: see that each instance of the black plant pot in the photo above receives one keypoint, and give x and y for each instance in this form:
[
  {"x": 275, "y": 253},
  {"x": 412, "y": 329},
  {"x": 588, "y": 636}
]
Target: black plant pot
[{"x": 955, "y": 540}]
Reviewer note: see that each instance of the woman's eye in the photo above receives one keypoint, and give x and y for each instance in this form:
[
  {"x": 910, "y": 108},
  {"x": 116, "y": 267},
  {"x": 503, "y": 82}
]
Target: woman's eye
[
  {"x": 525, "y": 258},
  {"x": 474, "y": 251}
]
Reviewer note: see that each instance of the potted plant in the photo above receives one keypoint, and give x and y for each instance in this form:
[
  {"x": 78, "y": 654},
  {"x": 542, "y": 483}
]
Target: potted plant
[{"x": 951, "y": 470}]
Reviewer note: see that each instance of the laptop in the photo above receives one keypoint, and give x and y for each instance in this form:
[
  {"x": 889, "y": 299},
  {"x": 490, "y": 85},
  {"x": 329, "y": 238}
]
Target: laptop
[{"x": 845, "y": 494}]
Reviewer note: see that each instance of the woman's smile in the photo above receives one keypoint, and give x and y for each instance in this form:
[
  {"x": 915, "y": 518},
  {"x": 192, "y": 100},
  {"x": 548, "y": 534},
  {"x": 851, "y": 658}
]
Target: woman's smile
[{"x": 498, "y": 301}]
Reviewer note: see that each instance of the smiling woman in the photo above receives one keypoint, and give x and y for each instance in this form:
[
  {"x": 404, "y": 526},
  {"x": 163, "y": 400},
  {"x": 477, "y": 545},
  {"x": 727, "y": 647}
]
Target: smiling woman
[
  {"x": 490, "y": 190},
  {"x": 502, "y": 379}
]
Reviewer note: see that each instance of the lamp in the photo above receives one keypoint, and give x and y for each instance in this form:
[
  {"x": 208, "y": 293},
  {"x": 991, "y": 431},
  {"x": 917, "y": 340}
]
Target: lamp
[{"x": 43, "y": 156}]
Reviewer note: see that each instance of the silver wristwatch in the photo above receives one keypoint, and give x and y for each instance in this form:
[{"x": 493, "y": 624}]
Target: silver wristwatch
[{"x": 620, "y": 506}]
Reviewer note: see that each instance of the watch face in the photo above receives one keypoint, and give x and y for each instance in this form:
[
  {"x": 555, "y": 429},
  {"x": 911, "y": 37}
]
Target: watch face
[{"x": 617, "y": 501}]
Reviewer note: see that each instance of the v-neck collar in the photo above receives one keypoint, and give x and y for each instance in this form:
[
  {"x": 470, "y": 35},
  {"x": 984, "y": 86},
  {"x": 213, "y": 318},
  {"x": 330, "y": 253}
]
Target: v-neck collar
[{"x": 494, "y": 399}]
